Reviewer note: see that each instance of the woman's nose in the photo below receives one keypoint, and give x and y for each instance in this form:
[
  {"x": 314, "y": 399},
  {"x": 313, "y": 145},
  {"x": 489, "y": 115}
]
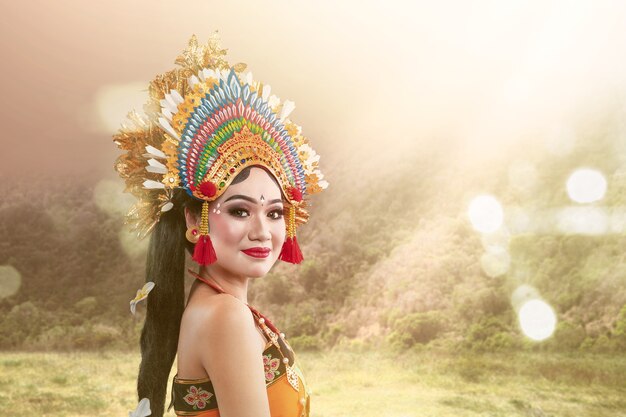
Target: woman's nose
[{"x": 260, "y": 229}]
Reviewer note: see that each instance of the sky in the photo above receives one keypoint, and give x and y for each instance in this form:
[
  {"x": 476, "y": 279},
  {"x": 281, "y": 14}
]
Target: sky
[{"x": 372, "y": 81}]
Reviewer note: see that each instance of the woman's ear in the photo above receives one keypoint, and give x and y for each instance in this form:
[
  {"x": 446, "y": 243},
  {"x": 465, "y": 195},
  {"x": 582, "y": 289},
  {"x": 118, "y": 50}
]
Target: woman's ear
[{"x": 190, "y": 218}]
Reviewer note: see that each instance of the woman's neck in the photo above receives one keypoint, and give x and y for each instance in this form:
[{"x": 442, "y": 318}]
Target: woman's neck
[{"x": 234, "y": 285}]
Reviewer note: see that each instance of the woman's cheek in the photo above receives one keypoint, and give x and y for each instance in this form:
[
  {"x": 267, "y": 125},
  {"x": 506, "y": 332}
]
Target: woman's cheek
[
  {"x": 225, "y": 229},
  {"x": 279, "y": 233}
]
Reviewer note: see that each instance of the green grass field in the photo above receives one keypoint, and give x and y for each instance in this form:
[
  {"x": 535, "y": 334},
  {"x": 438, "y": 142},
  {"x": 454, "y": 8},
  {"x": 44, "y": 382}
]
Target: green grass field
[{"x": 344, "y": 383}]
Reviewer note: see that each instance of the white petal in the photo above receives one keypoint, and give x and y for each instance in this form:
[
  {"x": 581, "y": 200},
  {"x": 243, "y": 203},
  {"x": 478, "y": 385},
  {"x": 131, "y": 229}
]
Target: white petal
[
  {"x": 267, "y": 89},
  {"x": 165, "y": 125},
  {"x": 165, "y": 112},
  {"x": 148, "y": 286},
  {"x": 154, "y": 152},
  {"x": 167, "y": 206},
  {"x": 273, "y": 101},
  {"x": 288, "y": 107},
  {"x": 192, "y": 81},
  {"x": 168, "y": 105},
  {"x": 176, "y": 96},
  {"x": 142, "y": 410},
  {"x": 170, "y": 100},
  {"x": 156, "y": 170},
  {"x": 133, "y": 308},
  {"x": 156, "y": 167},
  {"x": 249, "y": 78},
  {"x": 153, "y": 162},
  {"x": 151, "y": 185}
]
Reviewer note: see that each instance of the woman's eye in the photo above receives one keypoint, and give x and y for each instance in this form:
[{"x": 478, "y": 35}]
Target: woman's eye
[
  {"x": 276, "y": 214},
  {"x": 237, "y": 212}
]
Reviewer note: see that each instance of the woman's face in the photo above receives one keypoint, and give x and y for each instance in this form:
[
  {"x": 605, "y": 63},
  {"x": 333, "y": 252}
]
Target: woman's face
[{"x": 248, "y": 227}]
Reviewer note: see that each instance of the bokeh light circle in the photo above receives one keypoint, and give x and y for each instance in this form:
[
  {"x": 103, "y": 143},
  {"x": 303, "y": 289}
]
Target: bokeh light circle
[
  {"x": 10, "y": 281},
  {"x": 495, "y": 262},
  {"x": 132, "y": 246},
  {"x": 485, "y": 214},
  {"x": 522, "y": 294},
  {"x": 113, "y": 101},
  {"x": 586, "y": 185},
  {"x": 537, "y": 319},
  {"x": 110, "y": 197}
]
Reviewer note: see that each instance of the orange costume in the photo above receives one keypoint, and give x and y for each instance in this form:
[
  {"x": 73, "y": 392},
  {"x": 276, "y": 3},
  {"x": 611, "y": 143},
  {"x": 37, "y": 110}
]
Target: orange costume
[{"x": 286, "y": 390}]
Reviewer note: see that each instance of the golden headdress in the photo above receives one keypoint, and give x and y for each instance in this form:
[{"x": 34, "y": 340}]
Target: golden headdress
[{"x": 206, "y": 122}]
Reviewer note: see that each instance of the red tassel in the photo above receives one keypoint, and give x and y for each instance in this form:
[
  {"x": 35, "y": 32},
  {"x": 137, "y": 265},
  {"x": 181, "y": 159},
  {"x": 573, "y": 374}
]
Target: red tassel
[
  {"x": 291, "y": 251},
  {"x": 203, "y": 252}
]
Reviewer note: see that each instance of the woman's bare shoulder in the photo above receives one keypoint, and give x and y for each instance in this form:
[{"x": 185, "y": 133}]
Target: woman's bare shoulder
[
  {"x": 211, "y": 319},
  {"x": 217, "y": 312},
  {"x": 214, "y": 326}
]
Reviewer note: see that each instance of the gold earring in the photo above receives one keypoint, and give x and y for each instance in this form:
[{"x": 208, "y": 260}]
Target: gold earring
[{"x": 193, "y": 234}]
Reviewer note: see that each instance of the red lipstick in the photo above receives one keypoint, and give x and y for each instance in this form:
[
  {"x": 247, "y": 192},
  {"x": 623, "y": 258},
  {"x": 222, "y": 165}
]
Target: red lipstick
[{"x": 257, "y": 252}]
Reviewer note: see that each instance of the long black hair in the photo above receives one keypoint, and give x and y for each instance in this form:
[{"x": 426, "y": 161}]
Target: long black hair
[{"x": 165, "y": 266}]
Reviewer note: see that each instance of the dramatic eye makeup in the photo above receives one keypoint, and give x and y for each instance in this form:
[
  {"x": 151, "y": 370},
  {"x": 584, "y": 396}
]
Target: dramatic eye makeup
[
  {"x": 238, "y": 212},
  {"x": 241, "y": 212},
  {"x": 276, "y": 214}
]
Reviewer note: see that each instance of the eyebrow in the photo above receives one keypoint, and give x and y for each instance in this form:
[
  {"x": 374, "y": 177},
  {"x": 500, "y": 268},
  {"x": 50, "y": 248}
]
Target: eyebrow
[{"x": 250, "y": 199}]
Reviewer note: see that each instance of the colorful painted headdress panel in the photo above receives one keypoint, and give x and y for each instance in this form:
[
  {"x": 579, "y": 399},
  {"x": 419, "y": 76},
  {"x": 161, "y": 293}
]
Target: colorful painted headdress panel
[{"x": 224, "y": 125}]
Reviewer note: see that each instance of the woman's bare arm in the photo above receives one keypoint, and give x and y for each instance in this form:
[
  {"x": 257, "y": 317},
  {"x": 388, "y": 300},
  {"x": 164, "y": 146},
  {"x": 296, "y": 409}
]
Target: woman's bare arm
[{"x": 231, "y": 353}]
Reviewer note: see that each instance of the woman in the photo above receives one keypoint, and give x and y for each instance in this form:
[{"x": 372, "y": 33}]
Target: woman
[{"x": 225, "y": 176}]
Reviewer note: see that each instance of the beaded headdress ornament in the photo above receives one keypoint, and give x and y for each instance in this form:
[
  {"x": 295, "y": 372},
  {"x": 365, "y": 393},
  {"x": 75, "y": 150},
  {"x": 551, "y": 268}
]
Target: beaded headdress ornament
[{"x": 205, "y": 122}]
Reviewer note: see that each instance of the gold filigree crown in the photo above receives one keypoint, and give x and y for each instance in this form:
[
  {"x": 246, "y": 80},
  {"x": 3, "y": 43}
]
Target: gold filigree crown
[{"x": 205, "y": 122}]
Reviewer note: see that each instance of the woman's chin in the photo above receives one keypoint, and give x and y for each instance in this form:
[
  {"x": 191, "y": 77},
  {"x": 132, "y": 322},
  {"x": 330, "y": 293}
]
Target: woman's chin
[
  {"x": 258, "y": 271},
  {"x": 257, "y": 267}
]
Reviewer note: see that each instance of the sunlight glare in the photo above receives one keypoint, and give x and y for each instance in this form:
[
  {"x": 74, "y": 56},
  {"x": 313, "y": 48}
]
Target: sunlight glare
[
  {"x": 617, "y": 221},
  {"x": 518, "y": 220},
  {"x": 582, "y": 220},
  {"x": 517, "y": 90},
  {"x": 559, "y": 140},
  {"x": 522, "y": 177}
]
